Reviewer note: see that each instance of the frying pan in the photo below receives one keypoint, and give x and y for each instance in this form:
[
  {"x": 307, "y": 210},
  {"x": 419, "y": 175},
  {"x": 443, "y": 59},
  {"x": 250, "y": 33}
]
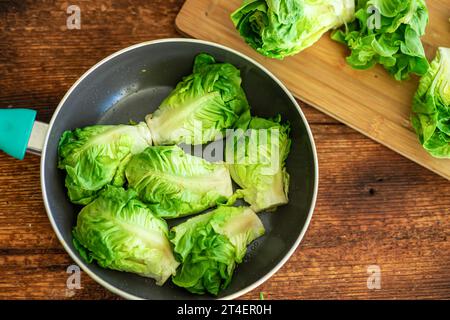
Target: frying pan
[{"x": 130, "y": 84}]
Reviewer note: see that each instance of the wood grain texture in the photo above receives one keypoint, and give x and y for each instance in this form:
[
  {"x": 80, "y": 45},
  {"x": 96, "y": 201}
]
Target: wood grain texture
[
  {"x": 374, "y": 207},
  {"x": 369, "y": 101}
]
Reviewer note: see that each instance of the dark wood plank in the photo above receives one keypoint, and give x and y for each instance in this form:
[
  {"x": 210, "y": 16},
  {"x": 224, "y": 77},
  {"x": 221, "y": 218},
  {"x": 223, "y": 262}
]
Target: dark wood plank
[{"x": 374, "y": 206}]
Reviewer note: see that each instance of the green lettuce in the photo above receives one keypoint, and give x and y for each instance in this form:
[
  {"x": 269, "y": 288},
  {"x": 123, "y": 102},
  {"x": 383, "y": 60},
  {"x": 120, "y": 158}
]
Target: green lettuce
[
  {"x": 95, "y": 156},
  {"x": 280, "y": 28},
  {"x": 210, "y": 245},
  {"x": 256, "y": 160},
  {"x": 121, "y": 233},
  {"x": 387, "y": 32},
  {"x": 431, "y": 107},
  {"x": 201, "y": 106},
  {"x": 173, "y": 183}
]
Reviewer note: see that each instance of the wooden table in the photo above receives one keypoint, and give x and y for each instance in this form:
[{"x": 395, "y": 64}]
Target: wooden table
[{"x": 374, "y": 206}]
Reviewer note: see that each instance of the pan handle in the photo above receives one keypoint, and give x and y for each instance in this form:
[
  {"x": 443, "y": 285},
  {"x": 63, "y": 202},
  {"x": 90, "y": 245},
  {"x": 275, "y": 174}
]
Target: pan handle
[{"x": 19, "y": 132}]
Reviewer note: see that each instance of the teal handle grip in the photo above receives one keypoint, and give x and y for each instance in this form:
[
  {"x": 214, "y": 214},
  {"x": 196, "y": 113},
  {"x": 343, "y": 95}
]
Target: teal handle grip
[{"x": 15, "y": 130}]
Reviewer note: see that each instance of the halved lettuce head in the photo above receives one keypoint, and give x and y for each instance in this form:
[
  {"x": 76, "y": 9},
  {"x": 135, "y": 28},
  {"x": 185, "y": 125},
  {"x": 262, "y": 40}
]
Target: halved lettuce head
[
  {"x": 431, "y": 107},
  {"x": 387, "y": 32},
  {"x": 174, "y": 184},
  {"x": 121, "y": 233},
  {"x": 210, "y": 245},
  {"x": 95, "y": 156},
  {"x": 256, "y": 159},
  {"x": 280, "y": 28},
  {"x": 201, "y": 106}
]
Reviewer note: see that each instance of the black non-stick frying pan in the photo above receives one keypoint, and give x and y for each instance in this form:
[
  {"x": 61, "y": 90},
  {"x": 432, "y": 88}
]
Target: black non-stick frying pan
[{"x": 130, "y": 84}]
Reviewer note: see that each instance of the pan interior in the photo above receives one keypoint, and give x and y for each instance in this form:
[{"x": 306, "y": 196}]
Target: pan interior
[{"x": 132, "y": 84}]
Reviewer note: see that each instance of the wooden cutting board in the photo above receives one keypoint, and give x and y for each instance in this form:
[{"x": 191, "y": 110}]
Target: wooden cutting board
[{"x": 369, "y": 101}]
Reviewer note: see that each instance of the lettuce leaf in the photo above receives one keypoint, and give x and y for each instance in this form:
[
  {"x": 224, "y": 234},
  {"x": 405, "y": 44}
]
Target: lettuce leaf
[
  {"x": 431, "y": 107},
  {"x": 256, "y": 159},
  {"x": 280, "y": 28},
  {"x": 94, "y": 157},
  {"x": 210, "y": 246},
  {"x": 387, "y": 32},
  {"x": 173, "y": 183},
  {"x": 201, "y": 106},
  {"x": 121, "y": 233}
]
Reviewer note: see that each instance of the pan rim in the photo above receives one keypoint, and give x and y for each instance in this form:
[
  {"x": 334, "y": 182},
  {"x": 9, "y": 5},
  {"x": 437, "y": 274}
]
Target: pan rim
[{"x": 82, "y": 264}]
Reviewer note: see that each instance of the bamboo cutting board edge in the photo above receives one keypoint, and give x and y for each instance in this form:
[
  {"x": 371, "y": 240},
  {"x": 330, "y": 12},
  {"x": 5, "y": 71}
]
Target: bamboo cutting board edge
[{"x": 389, "y": 129}]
